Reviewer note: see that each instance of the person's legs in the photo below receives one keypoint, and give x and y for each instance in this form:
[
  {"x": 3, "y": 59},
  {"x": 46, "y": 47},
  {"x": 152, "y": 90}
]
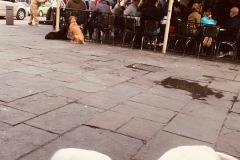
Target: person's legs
[
  {"x": 31, "y": 16},
  {"x": 34, "y": 10},
  {"x": 54, "y": 10}
]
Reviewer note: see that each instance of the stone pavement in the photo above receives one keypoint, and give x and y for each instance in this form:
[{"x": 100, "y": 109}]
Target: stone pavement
[{"x": 56, "y": 94}]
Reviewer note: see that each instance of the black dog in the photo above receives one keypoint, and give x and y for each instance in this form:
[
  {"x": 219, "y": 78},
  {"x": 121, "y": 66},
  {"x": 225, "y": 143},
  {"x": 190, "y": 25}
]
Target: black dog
[{"x": 61, "y": 34}]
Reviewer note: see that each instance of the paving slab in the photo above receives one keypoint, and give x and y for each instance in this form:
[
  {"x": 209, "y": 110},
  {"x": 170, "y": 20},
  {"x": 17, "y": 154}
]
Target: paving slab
[
  {"x": 13, "y": 116},
  {"x": 129, "y": 72},
  {"x": 226, "y": 101},
  {"x": 59, "y": 76},
  {"x": 32, "y": 70},
  {"x": 159, "y": 101},
  {"x": 106, "y": 79},
  {"x": 4, "y": 126},
  {"x": 226, "y": 85},
  {"x": 116, "y": 146},
  {"x": 40, "y": 103},
  {"x": 110, "y": 120},
  {"x": 144, "y": 111},
  {"x": 194, "y": 127},
  {"x": 205, "y": 111},
  {"x": 21, "y": 139},
  {"x": 127, "y": 89},
  {"x": 2, "y": 71},
  {"x": 86, "y": 86},
  {"x": 140, "y": 128},
  {"x": 68, "y": 92},
  {"x": 162, "y": 142},
  {"x": 229, "y": 143},
  {"x": 237, "y": 78},
  {"x": 103, "y": 100},
  {"x": 170, "y": 92},
  {"x": 236, "y": 107},
  {"x": 66, "y": 118},
  {"x": 65, "y": 67},
  {"x": 233, "y": 121}
]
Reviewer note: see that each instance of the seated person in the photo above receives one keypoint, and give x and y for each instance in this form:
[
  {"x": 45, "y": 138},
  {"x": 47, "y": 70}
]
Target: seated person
[
  {"x": 207, "y": 20},
  {"x": 232, "y": 26},
  {"x": 76, "y": 4},
  {"x": 96, "y": 20},
  {"x": 195, "y": 17},
  {"x": 131, "y": 10},
  {"x": 118, "y": 9},
  {"x": 152, "y": 12},
  {"x": 178, "y": 14}
]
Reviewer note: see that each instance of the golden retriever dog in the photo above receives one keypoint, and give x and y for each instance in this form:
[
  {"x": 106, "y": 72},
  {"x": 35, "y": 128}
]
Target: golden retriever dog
[
  {"x": 194, "y": 153},
  {"x": 75, "y": 31},
  {"x": 78, "y": 154}
]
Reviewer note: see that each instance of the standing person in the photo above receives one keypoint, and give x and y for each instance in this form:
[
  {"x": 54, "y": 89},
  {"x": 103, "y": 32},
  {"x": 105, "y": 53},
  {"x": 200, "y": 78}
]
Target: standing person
[{"x": 34, "y": 6}]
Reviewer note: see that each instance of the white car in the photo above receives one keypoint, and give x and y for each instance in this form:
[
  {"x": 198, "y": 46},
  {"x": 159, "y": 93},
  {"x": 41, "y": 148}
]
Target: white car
[{"x": 19, "y": 10}]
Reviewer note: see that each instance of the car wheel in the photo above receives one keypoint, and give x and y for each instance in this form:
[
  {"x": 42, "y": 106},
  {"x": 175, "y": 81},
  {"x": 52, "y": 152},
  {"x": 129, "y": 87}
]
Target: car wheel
[
  {"x": 20, "y": 14},
  {"x": 40, "y": 13}
]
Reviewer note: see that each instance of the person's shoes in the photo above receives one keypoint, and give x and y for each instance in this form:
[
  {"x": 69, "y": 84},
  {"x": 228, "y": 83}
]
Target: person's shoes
[
  {"x": 209, "y": 42},
  {"x": 221, "y": 54},
  {"x": 30, "y": 23},
  {"x": 230, "y": 53},
  {"x": 205, "y": 41}
]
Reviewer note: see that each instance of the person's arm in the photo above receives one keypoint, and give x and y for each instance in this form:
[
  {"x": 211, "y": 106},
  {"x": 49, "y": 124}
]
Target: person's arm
[{"x": 128, "y": 11}]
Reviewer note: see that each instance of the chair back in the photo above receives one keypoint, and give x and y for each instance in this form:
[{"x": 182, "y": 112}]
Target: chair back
[
  {"x": 109, "y": 20},
  {"x": 185, "y": 29},
  {"x": 81, "y": 15},
  {"x": 211, "y": 31},
  {"x": 238, "y": 36},
  {"x": 150, "y": 27},
  {"x": 130, "y": 23}
]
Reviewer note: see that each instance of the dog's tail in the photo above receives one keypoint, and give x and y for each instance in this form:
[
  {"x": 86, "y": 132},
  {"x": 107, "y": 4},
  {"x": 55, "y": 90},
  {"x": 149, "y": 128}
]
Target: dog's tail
[{"x": 223, "y": 156}]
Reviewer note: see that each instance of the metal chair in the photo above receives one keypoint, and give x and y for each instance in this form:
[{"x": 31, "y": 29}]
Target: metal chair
[
  {"x": 129, "y": 29},
  {"x": 209, "y": 31},
  {"x": 108, "y": 27},
  {"x": 81, "y": 15},
  {"x": 233, "y": 45},
  {"x": 150, "y": 32},
  {"x": 184, "y": 35}
]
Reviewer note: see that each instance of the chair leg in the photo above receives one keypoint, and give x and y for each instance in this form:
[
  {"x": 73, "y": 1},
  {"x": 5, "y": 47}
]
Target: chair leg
[
  {"x": 133, "y": 40},
  {"x": 155, "y": 43},
  {"x": 219, "y": 45},
  {"x": 199, "y": 49},
  {"x": 175, "y": 45},
  {"x": 124, "y": 35},
  {"x": 184, "y": 50},
  {"x": 142, "y": 42}
]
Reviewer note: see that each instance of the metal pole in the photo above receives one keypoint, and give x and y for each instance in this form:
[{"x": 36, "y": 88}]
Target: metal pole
[
  {"x": 58, "y": 15},
  {"x": 170, "y": 4}
]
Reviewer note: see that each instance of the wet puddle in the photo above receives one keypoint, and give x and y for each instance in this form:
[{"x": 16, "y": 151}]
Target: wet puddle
[
  {"x": 144, "y": 67},
  {"x": 196, "y": 89}
]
